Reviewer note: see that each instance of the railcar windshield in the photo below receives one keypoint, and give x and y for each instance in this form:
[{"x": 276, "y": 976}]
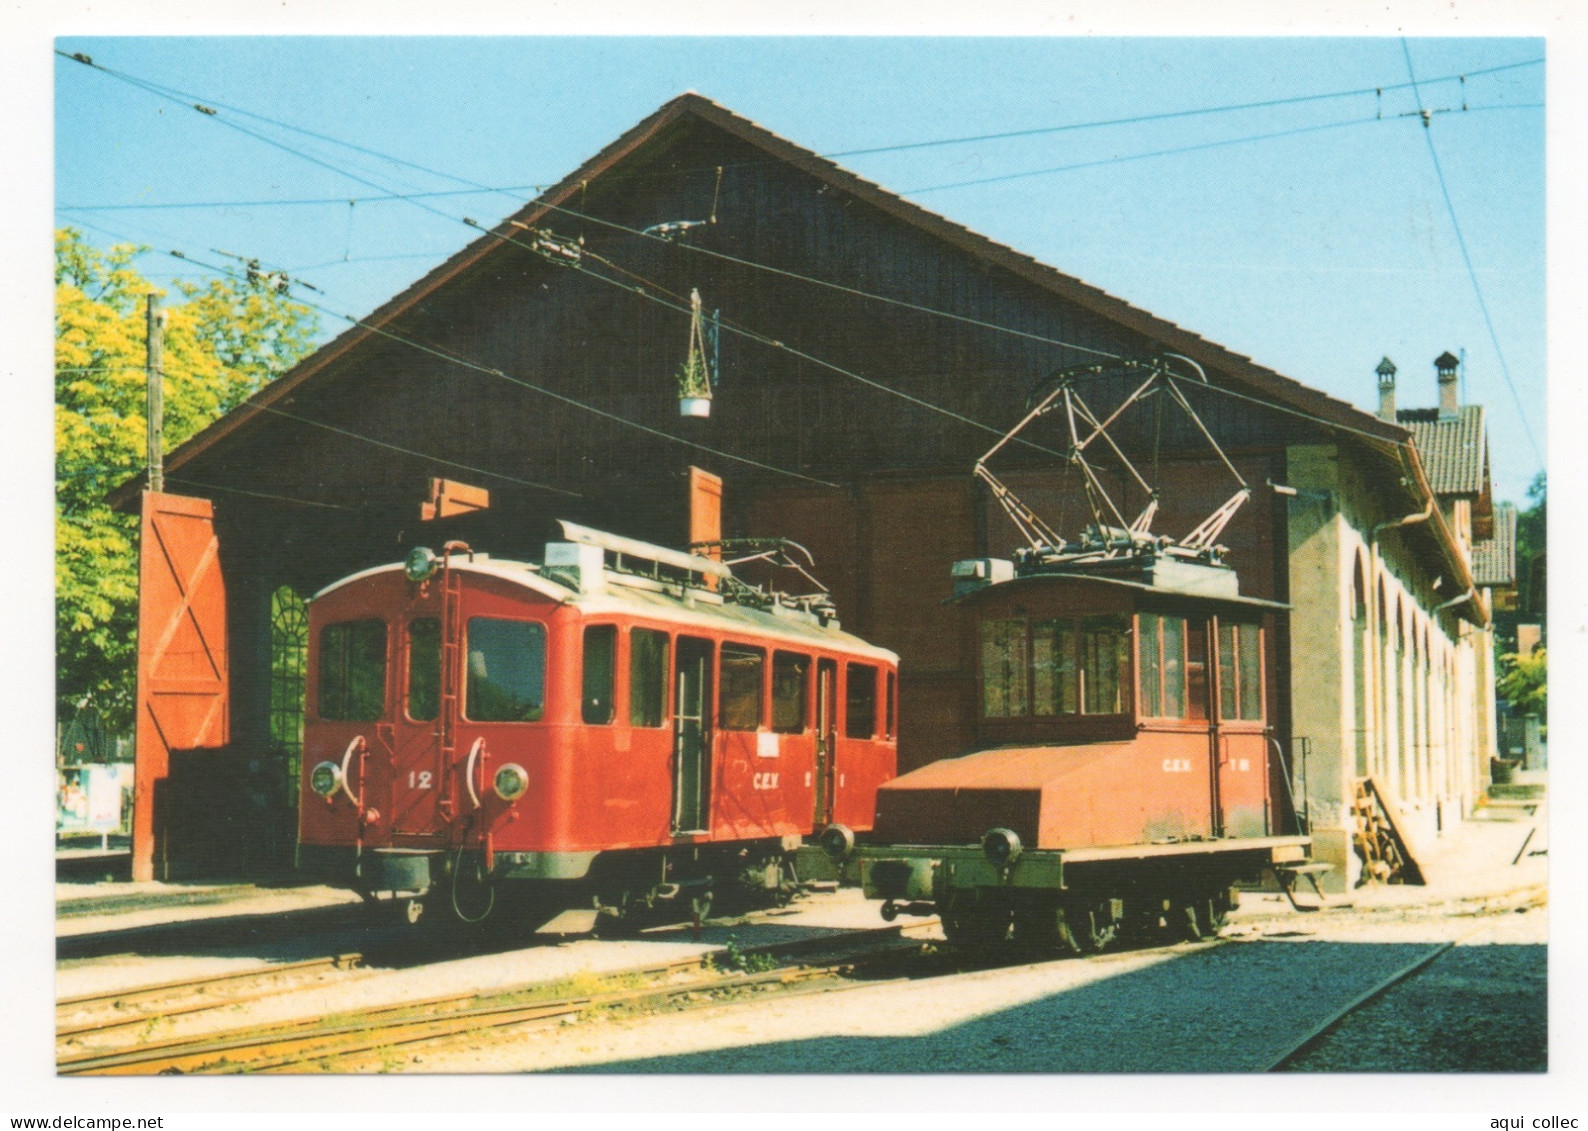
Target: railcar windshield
[
  {"x": 507, "y": 670},
  {"x": 353, "y": 671}
]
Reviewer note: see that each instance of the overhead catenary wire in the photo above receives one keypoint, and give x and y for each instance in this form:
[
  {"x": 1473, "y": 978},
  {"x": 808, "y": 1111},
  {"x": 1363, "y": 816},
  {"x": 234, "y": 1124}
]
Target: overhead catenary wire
[
  {"x": 767, "y": 340},
  {"x": 764, "y": 339},
  {"x": 207, "y": 105},
  {"x": 1466, "y": 257},
  {"x": 467, "y": 363}
]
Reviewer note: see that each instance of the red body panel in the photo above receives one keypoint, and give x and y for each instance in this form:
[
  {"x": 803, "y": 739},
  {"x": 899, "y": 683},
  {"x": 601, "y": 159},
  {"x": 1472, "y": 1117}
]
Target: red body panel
[{"x": 591, "y": 787}]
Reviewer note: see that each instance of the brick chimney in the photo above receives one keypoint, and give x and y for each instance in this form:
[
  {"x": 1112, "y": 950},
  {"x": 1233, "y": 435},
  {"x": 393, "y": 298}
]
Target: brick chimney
[
  {"x": 1386, "y": 390},
  {"x": 1449, "y": 400}
]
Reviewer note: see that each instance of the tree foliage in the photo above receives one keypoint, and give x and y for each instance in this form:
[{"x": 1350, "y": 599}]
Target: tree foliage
[
  {"x": 1525, "y": 682},
  {"x": 222, "y": 343}
]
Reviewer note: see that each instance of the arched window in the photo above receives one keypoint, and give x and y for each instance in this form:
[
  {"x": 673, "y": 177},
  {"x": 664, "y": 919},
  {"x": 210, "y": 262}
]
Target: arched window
[
  {"x": 289, "y": 654},
  {"x": 1358, "y": 591}
]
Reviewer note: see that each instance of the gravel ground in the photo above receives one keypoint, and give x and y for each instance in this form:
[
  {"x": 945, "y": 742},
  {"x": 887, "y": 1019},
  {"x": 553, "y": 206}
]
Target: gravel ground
[{"x": 1235, "y": 1008}]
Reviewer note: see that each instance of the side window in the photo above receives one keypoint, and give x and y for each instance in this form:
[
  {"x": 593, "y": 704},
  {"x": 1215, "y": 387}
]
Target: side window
[
  {"x": 1053, "y": 672},
  {"x": 860, "y": 706},
  {"x": 1103, "y": 665},
  {"x": 1173, "y": 667},
  {"x": 647, "y": 677},
  {"x": 353, "y": 671},
  {"x": 600, "y": 662},
  {"x": 424, "y": 669},
  {"x": 1240, "y": 672},
  {"x": 892, "y": 705},
  {"x": 1149, "y": 648},
  {"x": 1196, "y": 670},
  {"x": 741, "y": 687},
  {"x": 507, "y": 670},
  {"x": 790, "y": 678},
  {"x": 1003, "y": 668}
]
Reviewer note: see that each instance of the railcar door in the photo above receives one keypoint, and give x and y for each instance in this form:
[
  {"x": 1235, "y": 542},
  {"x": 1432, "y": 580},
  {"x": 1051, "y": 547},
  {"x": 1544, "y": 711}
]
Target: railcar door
[
  {"x": 692, "y": 735},
  {"x": 415, "y": 741},
  {"x": 826, "y": 738}
]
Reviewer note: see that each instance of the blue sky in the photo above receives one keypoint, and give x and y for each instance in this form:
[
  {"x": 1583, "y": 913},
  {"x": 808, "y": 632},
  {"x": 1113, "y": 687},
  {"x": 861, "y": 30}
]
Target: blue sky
[{"x": 1316, "y": 252}]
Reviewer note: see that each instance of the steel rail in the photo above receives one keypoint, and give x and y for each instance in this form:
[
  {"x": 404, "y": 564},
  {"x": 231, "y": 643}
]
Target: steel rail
[
  {"x": 1331, "y": 1022},
  {"x": 287, "y": 1044},
  {"x": 121, "y": 999}
]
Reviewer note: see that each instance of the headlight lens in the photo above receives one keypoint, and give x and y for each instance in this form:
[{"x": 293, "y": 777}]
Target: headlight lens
[
  {"x": 511, "y": 782},
  {"x": 837, "y": 841},
  {"x": 324, "y": 778},
  {"x": 1002, "y": 846},
  {"x": 420, "y": 563}
]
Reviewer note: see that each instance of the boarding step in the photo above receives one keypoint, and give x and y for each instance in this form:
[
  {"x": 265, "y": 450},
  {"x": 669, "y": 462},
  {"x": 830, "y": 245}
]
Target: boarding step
[{"x": 1288, "y": 874}]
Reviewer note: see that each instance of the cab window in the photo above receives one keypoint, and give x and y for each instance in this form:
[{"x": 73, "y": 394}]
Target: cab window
[
  {"x": 507, "y": 670},
  {"x": 353, "y": 671}
]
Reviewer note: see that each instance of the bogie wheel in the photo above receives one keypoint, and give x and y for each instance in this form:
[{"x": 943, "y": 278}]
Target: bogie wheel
[
  {"x": 1203, "y": 917},
  {"x": 976, "y": 928},
  {"x": 1090, "y": 925},
  {"x": 1044, "y": 930}
]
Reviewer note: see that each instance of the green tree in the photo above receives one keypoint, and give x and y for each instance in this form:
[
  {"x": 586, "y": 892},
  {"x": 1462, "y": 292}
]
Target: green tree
[
  {"x": 228, "y": 338},
  {"x": 1531, "y": 541},
  {"x": 1525, "y": 682}
]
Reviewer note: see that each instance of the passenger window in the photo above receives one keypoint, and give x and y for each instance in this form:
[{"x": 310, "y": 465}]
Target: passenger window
[
  {"x": 647, "y": 677},
  {"x": 600, "y": 661},
  {"x": 789, "y": 683},
  {"x": 860, "y": 714},
  {"x": 507, "y": 670},
  {"x": 353, "y": 671},
  {"x": 741, "y": 687},
  {"x": 424, "y": 669}
]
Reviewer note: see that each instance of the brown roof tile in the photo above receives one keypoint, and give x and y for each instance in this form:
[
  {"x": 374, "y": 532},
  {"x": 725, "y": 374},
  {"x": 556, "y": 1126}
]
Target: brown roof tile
[
  {"x": 1494, "y": 561},
  {"x": 1455, "y": 449}
]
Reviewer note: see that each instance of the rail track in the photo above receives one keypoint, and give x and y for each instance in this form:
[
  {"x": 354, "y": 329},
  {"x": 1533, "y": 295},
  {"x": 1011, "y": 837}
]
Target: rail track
[
  {"x": 323, "y": 1043},
  {"x": 113, "y": 1010},
  {"x": 382, "y": 1037}
]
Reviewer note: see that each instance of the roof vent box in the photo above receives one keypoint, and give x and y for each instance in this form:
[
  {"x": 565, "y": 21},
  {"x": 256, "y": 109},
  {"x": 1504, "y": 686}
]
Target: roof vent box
[
  {"x": 972, "y": 574},
  {"x": 577, "y": 566}
]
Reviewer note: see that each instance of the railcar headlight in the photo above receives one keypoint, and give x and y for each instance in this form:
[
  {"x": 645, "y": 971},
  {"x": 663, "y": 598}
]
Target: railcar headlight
[
  {"x": 511, "y": 782},
  {"x": 837, "y": 841},
  {"x": 324, "y": 778},
  {"x": 1002, "y": 847},
  {"x": 420, "y": 565}
]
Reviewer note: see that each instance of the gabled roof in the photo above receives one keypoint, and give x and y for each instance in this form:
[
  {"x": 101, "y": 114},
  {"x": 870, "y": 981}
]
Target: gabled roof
[
  {"x": 1265, "y": 385},
  {"x": 1272, "y": 386},
  {"x": 1455, "y": 449},
  {"x": 1494, "y": 561}
]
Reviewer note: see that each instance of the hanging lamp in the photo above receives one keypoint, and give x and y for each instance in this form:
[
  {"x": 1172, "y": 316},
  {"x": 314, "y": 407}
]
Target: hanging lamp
[{"x": 694, "y": 376}]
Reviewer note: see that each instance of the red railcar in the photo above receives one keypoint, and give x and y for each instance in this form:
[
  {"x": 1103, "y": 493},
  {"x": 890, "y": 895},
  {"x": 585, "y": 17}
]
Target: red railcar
[{"x": 619, "y": 726}]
